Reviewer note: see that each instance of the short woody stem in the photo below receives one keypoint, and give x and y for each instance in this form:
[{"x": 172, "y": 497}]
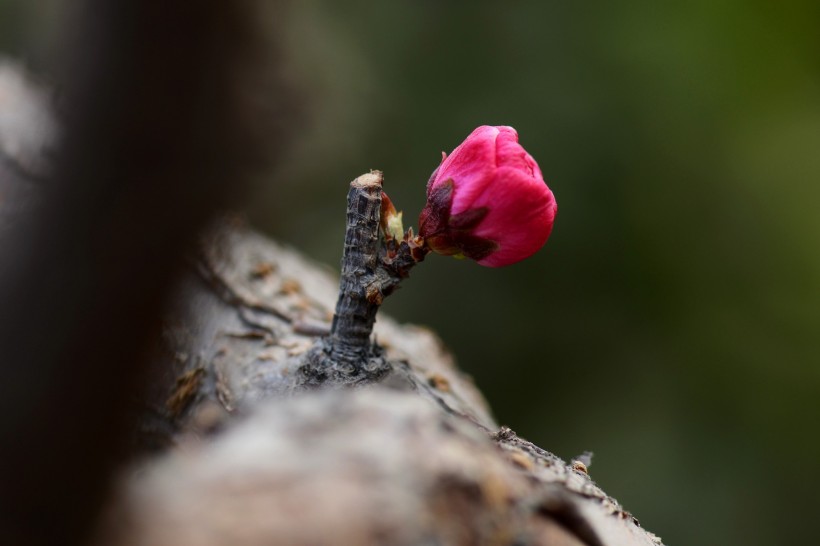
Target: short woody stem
[
  {"x": 356, "y": 309},
  {"x": 371, "y": 270}
]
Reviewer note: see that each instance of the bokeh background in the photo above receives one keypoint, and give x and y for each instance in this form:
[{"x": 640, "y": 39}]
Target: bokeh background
[{"x": 672, "y": 323}]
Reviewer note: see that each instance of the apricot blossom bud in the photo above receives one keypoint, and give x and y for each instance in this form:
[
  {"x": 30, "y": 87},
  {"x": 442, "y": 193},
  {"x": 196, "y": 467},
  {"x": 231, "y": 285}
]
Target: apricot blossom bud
[{"x": 488, "y": 201}]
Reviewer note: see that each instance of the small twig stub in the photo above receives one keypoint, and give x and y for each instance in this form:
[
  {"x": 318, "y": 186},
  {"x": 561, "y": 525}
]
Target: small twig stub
[{"x": 372, "y": 268}]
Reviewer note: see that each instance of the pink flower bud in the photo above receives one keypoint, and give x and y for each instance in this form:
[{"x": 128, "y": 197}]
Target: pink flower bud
[{"x": 488, "y": 201}]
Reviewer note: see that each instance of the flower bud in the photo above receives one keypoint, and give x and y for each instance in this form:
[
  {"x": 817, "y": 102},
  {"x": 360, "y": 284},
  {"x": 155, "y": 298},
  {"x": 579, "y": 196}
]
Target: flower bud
[
  {"x": 488, "y": 201},
  {"x": 390, "y": 220}
]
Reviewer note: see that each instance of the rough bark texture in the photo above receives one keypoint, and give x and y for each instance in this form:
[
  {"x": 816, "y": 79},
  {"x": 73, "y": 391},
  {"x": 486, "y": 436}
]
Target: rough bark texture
[
  {"x": 371, "y": 270},
  {"x": 356, "y": 308},
  {"x": 347, "y": 354}
]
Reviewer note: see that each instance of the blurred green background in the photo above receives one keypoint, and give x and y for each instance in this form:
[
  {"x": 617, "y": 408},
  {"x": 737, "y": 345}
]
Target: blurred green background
[{"x": 672, "y": 323}]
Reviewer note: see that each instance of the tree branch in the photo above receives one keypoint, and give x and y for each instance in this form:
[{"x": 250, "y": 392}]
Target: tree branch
[{"x": 414, "y": 458}]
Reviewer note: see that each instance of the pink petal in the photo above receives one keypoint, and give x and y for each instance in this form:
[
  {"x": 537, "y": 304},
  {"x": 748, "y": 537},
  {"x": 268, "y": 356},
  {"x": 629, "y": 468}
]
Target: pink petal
[
  {"x": 470, "y": 166},
  {"x": 509, "y": 152},
  {"x": 521, "y": 214}
]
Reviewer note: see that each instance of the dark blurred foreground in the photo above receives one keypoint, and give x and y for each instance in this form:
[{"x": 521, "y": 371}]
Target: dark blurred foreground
[{"x": 154, "y": 140}]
